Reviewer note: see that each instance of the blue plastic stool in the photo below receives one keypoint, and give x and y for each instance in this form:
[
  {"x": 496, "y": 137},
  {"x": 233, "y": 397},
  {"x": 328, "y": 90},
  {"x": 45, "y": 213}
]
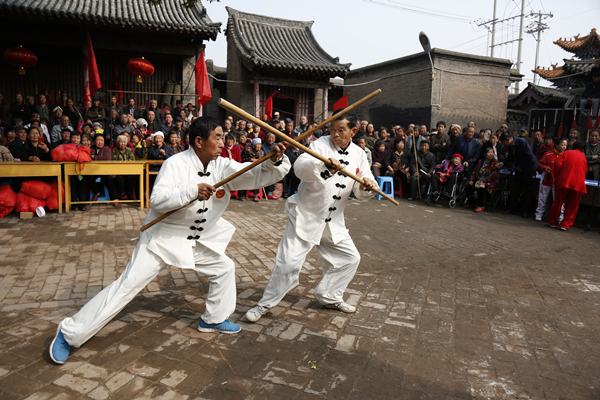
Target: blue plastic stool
[
  {"x": 386, "y": 184},
  {"x": 106, "y": 196}
]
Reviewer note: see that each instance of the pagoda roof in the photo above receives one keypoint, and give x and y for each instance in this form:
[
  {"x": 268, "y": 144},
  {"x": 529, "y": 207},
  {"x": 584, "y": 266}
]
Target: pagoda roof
[
  {"x": 168, "y": 16},
  {"x": 539, "y": 94},
  {"x": 584, "y": 47},
  {"x": 280, "y": 44}
]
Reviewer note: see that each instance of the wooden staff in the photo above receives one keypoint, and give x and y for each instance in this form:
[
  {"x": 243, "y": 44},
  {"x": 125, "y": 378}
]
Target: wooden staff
[
  {"x": 417, "y": 164},
  {"x": 283, "y": 136},
  {"x": 267, "y": 156}
]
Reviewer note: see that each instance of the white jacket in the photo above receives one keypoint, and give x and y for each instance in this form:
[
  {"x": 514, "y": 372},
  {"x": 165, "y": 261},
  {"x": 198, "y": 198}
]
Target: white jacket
[
  {"x": 174, "y": 238},
  {"x": 321, "y": 199}
]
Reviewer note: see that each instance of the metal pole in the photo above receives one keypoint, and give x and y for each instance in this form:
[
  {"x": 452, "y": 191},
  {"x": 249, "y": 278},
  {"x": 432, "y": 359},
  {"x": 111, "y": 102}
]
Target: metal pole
[
  {"x": 325, "y": 102},
  {"x": 520, "y": 42},
  {"x": 256, "y": 100},
  {"x": 536, "y": 77},
  {"x": 494, "y": 29}
]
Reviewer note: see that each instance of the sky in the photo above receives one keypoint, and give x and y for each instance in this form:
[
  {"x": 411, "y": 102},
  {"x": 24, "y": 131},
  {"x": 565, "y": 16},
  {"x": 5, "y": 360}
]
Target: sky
[{"x": 365, "y": 32}]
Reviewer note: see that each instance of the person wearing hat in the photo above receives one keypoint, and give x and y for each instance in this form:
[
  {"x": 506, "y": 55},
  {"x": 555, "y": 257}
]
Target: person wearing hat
[
  {"x": 524, "y": 133},
  {"x": 446, "y": 174},
  {"x": 591, "y": 95},
  {"x": 178, "y": 108},
  {"x": 159, "y": 150},
  {"x": 467, "y": 146},
  {"x": 193, "y": 238},
  {"x": 65, "y": 137},
  {"x": 97, "y": 128},
  {"x": 56, "y": 132},
  {"x": 97, "y": 113}
]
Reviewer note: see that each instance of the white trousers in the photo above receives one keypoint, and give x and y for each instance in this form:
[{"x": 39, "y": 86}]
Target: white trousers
[
  {"x": 142, "y": 268},
  {"x": 543, "y": 199},
  {"x": 340, "y": 262}
]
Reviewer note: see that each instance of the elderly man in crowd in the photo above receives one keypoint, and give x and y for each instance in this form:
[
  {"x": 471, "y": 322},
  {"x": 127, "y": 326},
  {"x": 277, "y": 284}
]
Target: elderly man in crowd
[
  {"x": 56, "y": 133},
  {"x": 123, "y": 126},
  {"x": 423, "y": 168},
  {"x": 18, "y": 142},
  {"x": 468, "y": 147},
  {"x": 153, "y": 125},
  {"x": 158, "y": 114}
]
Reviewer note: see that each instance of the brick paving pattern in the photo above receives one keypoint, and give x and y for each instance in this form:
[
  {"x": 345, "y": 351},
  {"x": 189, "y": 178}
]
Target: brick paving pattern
[{"x": 451, "y": 305}]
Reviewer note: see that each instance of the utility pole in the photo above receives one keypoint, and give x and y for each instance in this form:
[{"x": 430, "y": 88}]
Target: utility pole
[
  {"x": 522, "y": 22},
  {"x": 538, "y": 27},
  {"x": 493, "y": 31}
]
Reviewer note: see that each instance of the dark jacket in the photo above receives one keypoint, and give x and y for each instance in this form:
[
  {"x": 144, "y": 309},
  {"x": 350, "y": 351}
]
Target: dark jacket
[
  {"x": 426, "y": 162},
  {"x": 97, "y": 114},
  {"x": 154, "y": 126},
  {"x": 592, "y": 90},
  {"x": 154, "y": 152},
  {"x": 471, "y": 155},
  {"x": 15, "y": 148},
  {"x": 29, "y": 150},
  {"x": 102, "y": 154},
  {"x": 593, "y": 165},
  {"x": 109, "y": 108},
  {"x": 5, "y": 117},
  {"x": 521, "y": 156},
  {"x": 157, "y": 113},
  {"x": 136, "y": 112}
]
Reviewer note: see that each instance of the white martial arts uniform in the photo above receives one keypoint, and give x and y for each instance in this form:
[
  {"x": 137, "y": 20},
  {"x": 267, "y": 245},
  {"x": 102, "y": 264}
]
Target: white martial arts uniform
[
  {"x": 316, "y": 217},
  {"x": 194, "y": 238}
]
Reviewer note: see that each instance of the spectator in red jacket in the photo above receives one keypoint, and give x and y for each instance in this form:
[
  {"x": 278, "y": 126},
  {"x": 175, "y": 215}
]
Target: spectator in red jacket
[
  {"x": 546, "y": 165},
  {"x": 230, "y": 151},
  {"x": 569, "y": 169}
]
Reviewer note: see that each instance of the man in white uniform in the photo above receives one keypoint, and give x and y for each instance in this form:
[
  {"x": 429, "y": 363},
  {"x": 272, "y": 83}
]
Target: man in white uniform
[
  {"x": 316, "y": 218},
  {"x": 195, "y": 237}
]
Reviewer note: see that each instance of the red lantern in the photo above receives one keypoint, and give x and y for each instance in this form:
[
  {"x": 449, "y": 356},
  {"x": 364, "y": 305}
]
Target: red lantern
[
  {"x": 20, "y": 57},
  {"x": 140, "y": 67}
]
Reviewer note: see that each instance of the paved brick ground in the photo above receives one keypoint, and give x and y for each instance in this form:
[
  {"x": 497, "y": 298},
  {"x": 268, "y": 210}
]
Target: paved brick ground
[{"x": 451, "y": 305}]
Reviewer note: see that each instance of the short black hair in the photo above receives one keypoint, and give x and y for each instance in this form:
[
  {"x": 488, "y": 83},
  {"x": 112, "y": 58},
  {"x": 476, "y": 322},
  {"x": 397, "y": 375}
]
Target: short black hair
[
  {"x": 578, "y": 145},
  {"x": 440, "y": 123},
  {"x": 558, "y": 140},
  {"x": 351, "y": 118},
  {"x": 506, "y": 136},
  {"x": 549, "y": 136},
  {"x": 230, "y": 136},
  {"x": 202, "y": 127},
  {"x": 75, "y": 133},
  {"x": 86, "y": 135}
]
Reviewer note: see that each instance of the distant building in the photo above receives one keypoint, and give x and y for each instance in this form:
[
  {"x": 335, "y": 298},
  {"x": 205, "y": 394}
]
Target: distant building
[
  {"x": 170, "y": 36},
  {"x": 464, "y": 88},
  {"x": 574, "y": 73},
  {"x": 265, "y": 54}
]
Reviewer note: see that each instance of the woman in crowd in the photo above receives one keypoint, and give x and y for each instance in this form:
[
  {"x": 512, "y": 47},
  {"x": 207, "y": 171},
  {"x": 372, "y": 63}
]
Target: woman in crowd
[
  {"x": 370, "y": 136},
  {"x": 5, "y": 154},
  {"x": 379, "y": 156},
  {"x": 398, "y": 161},
  {"x": 100, "y": 152},
  {"x": 446, "y": 174},
  {"x": 496, "y": 146},
  {"x": 122, "y": 152},
  {"x": 483, "y": 179},
  {"x": 34, "y": 149}
]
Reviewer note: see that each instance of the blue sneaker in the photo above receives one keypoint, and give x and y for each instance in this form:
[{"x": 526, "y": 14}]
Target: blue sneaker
[
  {"x": 224, "y": 327},
  {"x": 59, "y": 348}
]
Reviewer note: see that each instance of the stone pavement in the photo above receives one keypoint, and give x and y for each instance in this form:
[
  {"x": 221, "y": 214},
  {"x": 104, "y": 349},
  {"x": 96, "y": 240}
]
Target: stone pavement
[{"x": 451, "y": 305}]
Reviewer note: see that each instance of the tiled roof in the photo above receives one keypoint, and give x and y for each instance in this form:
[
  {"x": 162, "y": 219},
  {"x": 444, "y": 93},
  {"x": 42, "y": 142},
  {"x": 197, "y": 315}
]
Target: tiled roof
[
  {"x": 280, "y": 44},
  {"x": 574, "y": 66},
  {"x": 587, "y": 46},
  {"x": 549, "y": 93},
  {"x": 555, "y": 72},
  {"x": 170, "y": 15}
]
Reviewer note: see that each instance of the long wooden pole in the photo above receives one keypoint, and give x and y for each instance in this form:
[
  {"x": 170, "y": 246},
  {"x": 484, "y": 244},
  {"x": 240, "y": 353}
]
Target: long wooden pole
[
  {"x": 417, "y": 164},
  {"x": 284, "y": 137},
  {"x": 271, "y": 154}
]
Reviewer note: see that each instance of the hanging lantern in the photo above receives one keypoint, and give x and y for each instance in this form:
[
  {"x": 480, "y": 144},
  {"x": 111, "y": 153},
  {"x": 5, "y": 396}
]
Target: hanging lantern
[
  {"x": 140, "y": 67},
  {"x": 20, "y": 57}
]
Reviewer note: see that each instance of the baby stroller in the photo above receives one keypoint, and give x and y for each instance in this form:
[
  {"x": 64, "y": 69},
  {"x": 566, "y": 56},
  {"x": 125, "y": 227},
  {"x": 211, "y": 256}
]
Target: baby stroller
[{"x": 454, "y": 195}]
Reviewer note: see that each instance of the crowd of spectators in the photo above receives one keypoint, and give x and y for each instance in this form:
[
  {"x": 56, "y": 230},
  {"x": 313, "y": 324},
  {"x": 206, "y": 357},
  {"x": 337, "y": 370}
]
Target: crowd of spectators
[{"x": 424, "y": 161}]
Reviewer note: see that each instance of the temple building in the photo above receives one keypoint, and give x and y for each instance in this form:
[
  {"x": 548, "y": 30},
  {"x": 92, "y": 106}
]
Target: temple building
[
  {"x": 574, "y": 73},
  {"x": 169, "y": 35},
  {"x": 267, "y": 55}
]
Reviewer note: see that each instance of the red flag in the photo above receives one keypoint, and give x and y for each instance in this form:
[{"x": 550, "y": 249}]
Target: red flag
[
  {"x": 341, "y": 103},
  {"x": 269, "y": 105},
  {"x": 590, "y": 123},
  {"x": 202, "y": 82},
  {"x": 118, "y": 86},
  {"x": 94, "y": 76}
]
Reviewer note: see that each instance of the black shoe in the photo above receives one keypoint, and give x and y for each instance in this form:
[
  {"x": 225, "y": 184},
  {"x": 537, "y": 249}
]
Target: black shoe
[
  {"x": 82, "y": 207},
  {"x": 509, "y": 211},
  {"x": 285, "y": 195},
  {"x": 525, "y": 214}
]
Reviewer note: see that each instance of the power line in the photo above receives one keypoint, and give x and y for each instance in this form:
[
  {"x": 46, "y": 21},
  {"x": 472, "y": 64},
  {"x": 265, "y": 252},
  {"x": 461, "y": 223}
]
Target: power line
[
  {"x": 431, "y": 14},
  {"x": 428, "y": 9}
]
